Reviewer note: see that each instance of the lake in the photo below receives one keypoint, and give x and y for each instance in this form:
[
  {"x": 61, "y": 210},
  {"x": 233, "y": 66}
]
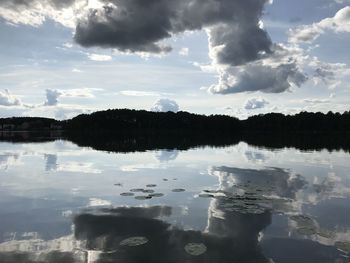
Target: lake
[{"x": 63, "y": 203}]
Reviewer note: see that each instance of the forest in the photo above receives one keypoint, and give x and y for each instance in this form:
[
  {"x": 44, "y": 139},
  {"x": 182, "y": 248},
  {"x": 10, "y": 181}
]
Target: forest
[
  {"x": 131, "y": 130},
  {"x": 140, "y": 121}
]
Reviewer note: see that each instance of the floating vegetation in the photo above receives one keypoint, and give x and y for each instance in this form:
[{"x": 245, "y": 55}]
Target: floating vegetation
[
  {"x": 127, "y": 194},
  {"x": 165, "y": 180},
  {"x": 151, "y": 185},
  {"x": 178, "y": 190},
  {"x": 195, "y": 249},
  {"x": 306, "y": 231},
  {"x": 210, "y": 191},
  {"x": 156, "y": 195},
  {"x": 302, "y": 220},
  {"x": 118, "y": 184},
  {"x": 135, "y": 190},
  {"x": 148, "y": 191},
  {"x": 206, "y": 195},
  {"x": 134, "y": 241},
  {"x": 343, "y": 246},
  {"x": 325, "y": 233},
  {"x": 143, "y": 197}
]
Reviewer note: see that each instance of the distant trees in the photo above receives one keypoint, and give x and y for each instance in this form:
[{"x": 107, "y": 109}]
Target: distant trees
[
  {"x": 140, "y": 121},
  {"x": 145, "y": 121},
  {"x": 124, "y": 130},
  {"x": 301, "y": 122},
  {"x": 28, "y": 124}
]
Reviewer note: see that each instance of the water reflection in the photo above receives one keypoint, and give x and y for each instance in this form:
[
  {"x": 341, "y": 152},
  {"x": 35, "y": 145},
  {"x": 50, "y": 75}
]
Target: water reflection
[
  {"x": 105, "y": 233},
  {"x": 8, "y": 159},
  {"x": 51, "y": 162},
  {"x": 166, "y": 155},
  {"x": 63, "y": 203}
]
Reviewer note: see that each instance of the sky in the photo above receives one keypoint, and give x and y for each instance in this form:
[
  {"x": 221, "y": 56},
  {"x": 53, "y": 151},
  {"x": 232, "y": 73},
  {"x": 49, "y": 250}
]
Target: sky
[{"x": 61, "y": 58}]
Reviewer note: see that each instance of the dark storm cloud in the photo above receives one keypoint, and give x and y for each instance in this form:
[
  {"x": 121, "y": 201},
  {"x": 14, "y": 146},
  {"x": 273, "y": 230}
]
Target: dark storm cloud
[{"x": 140, "y": 26}]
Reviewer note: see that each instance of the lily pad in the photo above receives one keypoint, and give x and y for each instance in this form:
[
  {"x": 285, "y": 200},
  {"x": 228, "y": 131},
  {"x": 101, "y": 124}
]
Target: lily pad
[
  {"x": 210, "y": 191},
  {"x": 143, "y": 197},
  {"x": 135, "y": 190},
  {"x": 343, "y": 246},
  {"x": 206, "y": 195},
  {"x": 127, "y": 194},
  {"x": 156, "y": 195},
  {"x": 148, "y": 191},
  {"x": 306, "y": 231},
  {"x": 302, "y": 220},
  {"x": 134, "y": 241},
  {"x": 325, "y": 233},
  {"x": 151, "y": 185},
  {"x": 178, "y": 190},
  {"x": 195, "y": 249}
]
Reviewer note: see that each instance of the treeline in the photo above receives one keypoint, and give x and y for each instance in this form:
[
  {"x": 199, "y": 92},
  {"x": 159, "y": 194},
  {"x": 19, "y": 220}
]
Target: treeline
[
  {"x": 131, "y": 130},
  {"x": 301, "y": 122},
  {"x": 132, "y": 120},
  {"x": 29, "y": 124},
  {"x": 140, "y": 121},
  {"x": 146, "y": 121}
]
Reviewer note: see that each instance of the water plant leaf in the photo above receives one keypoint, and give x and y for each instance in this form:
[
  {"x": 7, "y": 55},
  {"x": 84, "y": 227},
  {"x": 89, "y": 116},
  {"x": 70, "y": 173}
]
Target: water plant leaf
[
  {"x": 178, "y": 190},
  {"x": 195, "y": 249},
  {"x": 134, "y": 241},
  {"x": 127, "y": 194}
]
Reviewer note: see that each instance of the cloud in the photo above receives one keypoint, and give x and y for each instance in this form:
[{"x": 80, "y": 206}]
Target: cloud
[
  {"x": 255, "y": 103},
  {"x": 309, "y": 33},
  {"x": 6, "y": 99},
  {"x": 240, "y": 49},
  {"x": 184, "y": 51},
  {"x": 98, "y": 57},
  {"x": 132, "y": 26},
  {"x": 138, "y": 93},
  {"x": 165, "y": 105},
  {"x": 317, "y": 101},
  {"x": 330, "y": 74},
  {"x": 52, "y": 97},
  {"x": 257, "y": 77},
  {"x": 35, "y": 12}
]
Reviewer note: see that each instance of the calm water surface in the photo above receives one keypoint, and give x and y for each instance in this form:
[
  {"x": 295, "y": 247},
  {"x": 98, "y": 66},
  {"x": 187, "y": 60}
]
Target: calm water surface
[{"x": 63, "y": 203}]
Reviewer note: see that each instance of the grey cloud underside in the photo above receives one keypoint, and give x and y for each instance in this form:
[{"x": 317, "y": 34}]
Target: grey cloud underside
[
  {"x": 262, "y": 78},
  {"x": 52, "y": 97},
  {"x": 140, "y": 26}
]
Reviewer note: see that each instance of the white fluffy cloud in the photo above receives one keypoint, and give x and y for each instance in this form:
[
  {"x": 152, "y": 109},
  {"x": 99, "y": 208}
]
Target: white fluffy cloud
[
  {"x": 255, "y": 104},
  {"x": 52, "y": 96},
  {"x": 309, "y": 33},
  {"x": 184, "y": 51},
  {"x": 99, "y": 57},
  {"x": 6, "y": 99},
  {"x": 165, "y": 105},
  {"x": 35, "y": 12}
]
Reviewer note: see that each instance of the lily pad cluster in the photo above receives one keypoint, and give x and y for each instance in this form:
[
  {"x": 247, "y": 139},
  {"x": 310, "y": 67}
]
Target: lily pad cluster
[
  {"x": 246, "y": 200},
  {"x": 305, "y": 225},
  {"x": 195, "y": 249},
  {"x": 134, "y": 241}
]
